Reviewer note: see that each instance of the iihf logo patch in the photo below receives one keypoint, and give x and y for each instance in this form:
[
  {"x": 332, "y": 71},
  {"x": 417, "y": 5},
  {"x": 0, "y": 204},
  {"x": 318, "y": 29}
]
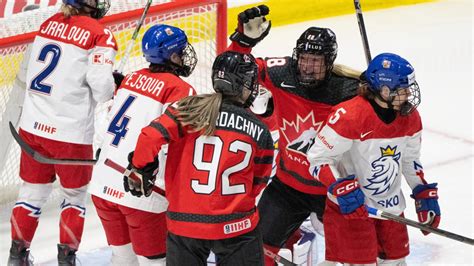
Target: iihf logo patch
[{"x": 384, "y": 170}]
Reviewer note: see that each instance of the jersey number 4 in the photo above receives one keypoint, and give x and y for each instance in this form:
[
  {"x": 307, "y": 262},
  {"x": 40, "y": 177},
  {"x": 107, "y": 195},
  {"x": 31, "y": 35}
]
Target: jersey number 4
[
  {"x": 37, "y": 83},
  {"x": 212, "y": 166},
  {"x": 118, "y": 125}
]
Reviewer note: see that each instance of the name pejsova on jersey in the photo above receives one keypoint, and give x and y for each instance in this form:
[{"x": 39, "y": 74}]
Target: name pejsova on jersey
[
  {"x": 145, "y": 83},
  {"x": 62, "y": 31},
  {"x": 237, "y": 122}
]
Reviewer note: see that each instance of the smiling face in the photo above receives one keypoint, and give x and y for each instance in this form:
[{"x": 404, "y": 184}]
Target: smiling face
[{"x": 311, "y": 67}]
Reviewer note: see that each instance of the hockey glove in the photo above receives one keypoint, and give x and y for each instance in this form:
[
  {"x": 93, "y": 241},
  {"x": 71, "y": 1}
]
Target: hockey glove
[
  {"x": 147, "y": 176},
  {"x": 350, "y": 198},
  {"x": 426, "y": 204},
  {"x": 252, "y": 26},
  {"x": 118, "y": 78}
]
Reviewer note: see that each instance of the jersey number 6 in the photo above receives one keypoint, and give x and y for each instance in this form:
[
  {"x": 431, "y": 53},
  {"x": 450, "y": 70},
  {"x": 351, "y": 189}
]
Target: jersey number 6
[{"x": 213, "y": 165}]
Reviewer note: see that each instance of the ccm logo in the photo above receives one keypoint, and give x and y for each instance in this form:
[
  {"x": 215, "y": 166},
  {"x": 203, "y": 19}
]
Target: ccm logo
[
  {"x": 433, "y": 193},
  {"x": 347, "y": 187}
]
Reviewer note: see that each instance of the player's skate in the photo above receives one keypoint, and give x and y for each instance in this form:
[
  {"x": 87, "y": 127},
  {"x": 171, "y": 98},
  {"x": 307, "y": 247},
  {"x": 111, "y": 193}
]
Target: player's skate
[
  {"x": 19, "y": 254},
  {"x": 66, "y": 255}
]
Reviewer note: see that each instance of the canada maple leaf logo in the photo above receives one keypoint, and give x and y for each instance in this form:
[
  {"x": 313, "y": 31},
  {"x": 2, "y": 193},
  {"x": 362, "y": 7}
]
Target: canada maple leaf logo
[{"x": 301, "y": 132}]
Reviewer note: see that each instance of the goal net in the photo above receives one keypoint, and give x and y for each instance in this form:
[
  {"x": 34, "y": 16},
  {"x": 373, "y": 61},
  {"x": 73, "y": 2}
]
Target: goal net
[{"x": 205, "y": 24}]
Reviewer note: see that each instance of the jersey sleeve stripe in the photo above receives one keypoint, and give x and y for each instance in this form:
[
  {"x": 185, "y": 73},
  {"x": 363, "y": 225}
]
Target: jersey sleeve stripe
[
  {"x": 161, "y": 129},
  {"x": 207, "y": 218},
  {"x": 175, "y": 119}
]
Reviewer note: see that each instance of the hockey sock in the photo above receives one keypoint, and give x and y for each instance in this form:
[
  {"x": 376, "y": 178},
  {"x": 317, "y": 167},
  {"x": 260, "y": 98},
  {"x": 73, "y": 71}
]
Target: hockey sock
[
  {"x": 27, "y": 210},
  {"x": 73, "y": 213}
]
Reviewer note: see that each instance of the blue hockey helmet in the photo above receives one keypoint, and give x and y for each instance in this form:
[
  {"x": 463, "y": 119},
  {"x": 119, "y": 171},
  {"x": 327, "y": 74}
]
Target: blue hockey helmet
[
  {"x": 389, "y": 70},
  {"x": 161, "y": 41},
  {"x": 99, "y": 7},
  {"x": 394, "y": 72}
]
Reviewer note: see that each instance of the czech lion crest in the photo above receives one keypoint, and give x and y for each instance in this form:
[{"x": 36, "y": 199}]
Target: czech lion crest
[{"x": 384, "y": 171}]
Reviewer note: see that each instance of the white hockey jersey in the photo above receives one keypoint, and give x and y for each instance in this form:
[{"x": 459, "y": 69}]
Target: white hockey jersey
[
  {"x": 69, "y": 72},
  {"x": 142, "y": 97},
  {"x": 355, "y": 141}
]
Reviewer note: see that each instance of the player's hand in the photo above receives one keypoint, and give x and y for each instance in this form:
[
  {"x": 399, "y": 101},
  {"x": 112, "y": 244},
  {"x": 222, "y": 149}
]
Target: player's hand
[
  {"x": 426, "y": 204},
  {"x": 146, "y": 178},
  {"x": 252, "y": 26},
  {"x": 350, "y": 198},
  {"x": 118, "y": 78}
]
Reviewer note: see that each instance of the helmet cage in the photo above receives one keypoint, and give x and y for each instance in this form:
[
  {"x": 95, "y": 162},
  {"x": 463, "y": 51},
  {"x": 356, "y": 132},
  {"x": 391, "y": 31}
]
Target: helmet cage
[
  {"x": 413, "y": 100},
  {"x": 98, "y": 11},
  {"x": 317, "y": 41},
  {"x": 189, "y": 61}
]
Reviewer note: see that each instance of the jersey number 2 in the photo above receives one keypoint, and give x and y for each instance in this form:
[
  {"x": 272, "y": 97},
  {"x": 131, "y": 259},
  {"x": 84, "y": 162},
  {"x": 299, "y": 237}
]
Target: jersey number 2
[
  {"x": 212, "y": 166},
  {"x": 37, "y": 83},
  {"x": 118, "y": 125}
]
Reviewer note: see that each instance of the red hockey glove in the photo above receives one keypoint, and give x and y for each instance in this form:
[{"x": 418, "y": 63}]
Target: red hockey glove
[
  {"x": 252, "y": 26},
  {"x": 350, "y": 198},
  {"x": 426, "y": 203},
  {"x": 146, "y": 175}
]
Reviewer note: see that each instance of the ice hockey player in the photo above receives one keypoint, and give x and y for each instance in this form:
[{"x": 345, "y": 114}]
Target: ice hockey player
[
  {"x": 219, "y": 159},
  {"x": 304, "y": 87},
  {"x": 368, "y": 143},
  {"x": 69, "y": 71},
  {"x": 133, "y": 222}
]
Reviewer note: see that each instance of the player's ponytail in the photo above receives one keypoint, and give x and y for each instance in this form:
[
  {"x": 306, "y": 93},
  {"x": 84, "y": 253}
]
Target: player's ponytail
[
  {"x": 200, "y": 112},
  {"x": 345, "y": 71},
  {"x": 69, "y": 11}
]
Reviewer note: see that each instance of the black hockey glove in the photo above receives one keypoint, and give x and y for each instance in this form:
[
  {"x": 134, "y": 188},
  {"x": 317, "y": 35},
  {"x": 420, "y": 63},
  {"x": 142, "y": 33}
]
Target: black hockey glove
[
  {"x": 146, "y": 178},
  {"x": 252, "y": 26},
  {"x": 118, "y": 78}
]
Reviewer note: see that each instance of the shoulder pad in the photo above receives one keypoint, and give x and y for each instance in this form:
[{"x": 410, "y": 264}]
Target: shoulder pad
[
  {"x": 281, "y": 72},
  {"x": 336, "y": 90}
]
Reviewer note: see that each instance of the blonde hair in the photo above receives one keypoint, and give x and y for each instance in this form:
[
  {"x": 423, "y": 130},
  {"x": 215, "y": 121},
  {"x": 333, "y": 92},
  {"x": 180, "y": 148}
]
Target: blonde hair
[
  {"x": 200, "y": 112},
  {"x": 69, "y": 11},
  {"x": 345, "y": 71}
]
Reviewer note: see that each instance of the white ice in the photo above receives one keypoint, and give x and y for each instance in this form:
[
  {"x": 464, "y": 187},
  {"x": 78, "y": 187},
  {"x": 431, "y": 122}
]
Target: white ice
[{"x": 437, "y": 39}]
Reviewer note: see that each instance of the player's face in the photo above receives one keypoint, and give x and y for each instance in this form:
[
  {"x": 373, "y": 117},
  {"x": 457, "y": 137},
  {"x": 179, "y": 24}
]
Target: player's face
[
  {"x": 311, "y": 67},
  {"x": 400, "y": 96},
  {"x": 175, "y": 58}
]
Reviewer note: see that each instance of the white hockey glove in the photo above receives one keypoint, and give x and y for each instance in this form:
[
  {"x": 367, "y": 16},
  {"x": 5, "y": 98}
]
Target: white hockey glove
[
  {"x": 252, "y": 26},
  {"x": 260, "y": 104}
]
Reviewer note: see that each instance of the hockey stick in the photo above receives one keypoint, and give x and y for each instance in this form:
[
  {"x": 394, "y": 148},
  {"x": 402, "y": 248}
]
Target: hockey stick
[
  {"x": 418, "y": 225},
  {"x": 363, "y": 32},
  {"x": 124, "y": 171},
  {"x": 277, "y": 258},
  {"x": 131, "y": 42},
  {"x": 43, "y": 159}
]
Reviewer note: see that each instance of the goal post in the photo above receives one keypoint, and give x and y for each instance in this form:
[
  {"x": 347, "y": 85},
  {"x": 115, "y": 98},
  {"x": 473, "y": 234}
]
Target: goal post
[{"x": 205, "y": 24}]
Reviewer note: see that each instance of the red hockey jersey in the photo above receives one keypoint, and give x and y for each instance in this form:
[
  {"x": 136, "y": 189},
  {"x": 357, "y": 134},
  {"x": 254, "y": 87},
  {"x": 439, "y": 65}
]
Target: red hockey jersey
[
  {"x": 211, "y": 181},
  {"x": 300, "y": 115}
]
